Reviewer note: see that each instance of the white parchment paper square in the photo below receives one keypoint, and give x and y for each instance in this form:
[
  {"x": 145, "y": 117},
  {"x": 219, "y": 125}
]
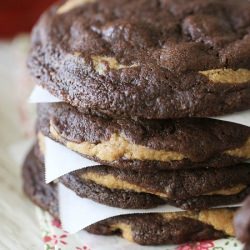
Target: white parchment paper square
[
  {"x": 40, "y": 95},
  {"x": 242, "y": 118},
  {"x": 76, "y": 213},
  {"x": 60, "y": 160}
]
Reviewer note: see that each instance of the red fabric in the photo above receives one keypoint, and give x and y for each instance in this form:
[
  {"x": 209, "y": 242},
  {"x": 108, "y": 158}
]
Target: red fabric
[{"x": 20, "y": 15}]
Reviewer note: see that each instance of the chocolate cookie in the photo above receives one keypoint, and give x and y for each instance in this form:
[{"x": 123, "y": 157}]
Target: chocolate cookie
[
  {"x": 168, "y": 228},
  {"x": 146, "y": 144},
  {"x": 187, "y": 189},
  {"x": 152, "y": 59},
  {"x": 150, "y": 229},
  {"x": 242, "y": 224},
  {"x": 43, "y": 195}
]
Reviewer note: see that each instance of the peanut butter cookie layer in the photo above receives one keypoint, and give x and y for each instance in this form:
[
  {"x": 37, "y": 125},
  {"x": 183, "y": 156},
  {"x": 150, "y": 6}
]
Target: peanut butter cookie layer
[{"x": 187, "y": 189}]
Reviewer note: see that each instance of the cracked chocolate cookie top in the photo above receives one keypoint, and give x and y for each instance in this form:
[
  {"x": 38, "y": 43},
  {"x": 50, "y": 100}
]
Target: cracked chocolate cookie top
[{"x": 146, "y": 58}]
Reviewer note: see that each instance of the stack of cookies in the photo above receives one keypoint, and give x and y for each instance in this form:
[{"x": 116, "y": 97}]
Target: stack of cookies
[{"x": 139, "y": 81}]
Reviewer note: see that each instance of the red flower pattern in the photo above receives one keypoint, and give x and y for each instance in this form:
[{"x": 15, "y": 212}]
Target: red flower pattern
[
  {"x": 47, "y": 239},
  {"x": 205, "y": 245},
  {"x": 55, "y": 239}
]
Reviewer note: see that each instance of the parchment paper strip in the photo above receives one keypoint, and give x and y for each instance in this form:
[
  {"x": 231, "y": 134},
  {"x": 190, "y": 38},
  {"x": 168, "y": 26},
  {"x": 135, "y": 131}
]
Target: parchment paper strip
[
  {"x": 40, "y": 95},
  {"x": 59, "y": 160},
  {"x": 76, "y": 213}
]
